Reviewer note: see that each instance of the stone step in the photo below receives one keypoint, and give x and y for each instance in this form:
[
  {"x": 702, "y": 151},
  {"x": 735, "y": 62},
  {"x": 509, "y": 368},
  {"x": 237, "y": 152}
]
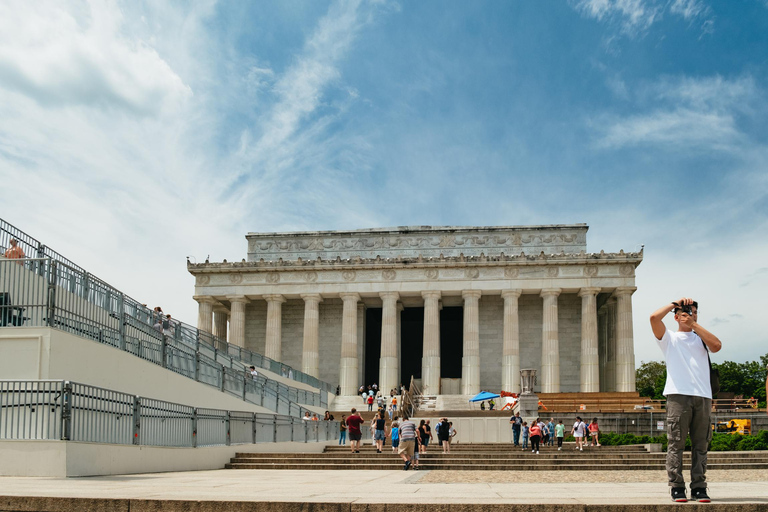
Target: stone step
[
  {"x": 396, "y": 465},
  {"x": 474, "y": 460}
]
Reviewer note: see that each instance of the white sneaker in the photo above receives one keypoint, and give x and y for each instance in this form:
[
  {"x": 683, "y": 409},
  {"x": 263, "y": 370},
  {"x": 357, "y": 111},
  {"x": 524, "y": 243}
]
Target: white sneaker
[
  {"x": 559, "y": 449},
  {"x": 537, "y": 452},
  {"x": 581, "y": 449}
]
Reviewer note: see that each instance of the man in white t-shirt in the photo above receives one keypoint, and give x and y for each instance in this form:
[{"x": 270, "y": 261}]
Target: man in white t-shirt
[{"x": 688, "y": 392}]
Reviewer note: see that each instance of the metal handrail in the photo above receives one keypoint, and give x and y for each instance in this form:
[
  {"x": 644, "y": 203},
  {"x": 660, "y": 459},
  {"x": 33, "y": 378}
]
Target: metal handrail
[
  {"x": 32, "y": 246},
  {"x": 42, "y": 292},
  {"x": 71, "y": 411}
]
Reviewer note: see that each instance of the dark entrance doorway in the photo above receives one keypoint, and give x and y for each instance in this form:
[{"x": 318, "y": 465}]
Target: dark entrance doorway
[
  {"x": 372, "y": 348},
  {"x": 411, "y": 343},
  {"x": 451, "y": 342}
]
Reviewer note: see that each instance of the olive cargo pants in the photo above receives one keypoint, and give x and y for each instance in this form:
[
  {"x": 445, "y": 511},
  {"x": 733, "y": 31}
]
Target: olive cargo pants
[{"x": 688, "y": 414}]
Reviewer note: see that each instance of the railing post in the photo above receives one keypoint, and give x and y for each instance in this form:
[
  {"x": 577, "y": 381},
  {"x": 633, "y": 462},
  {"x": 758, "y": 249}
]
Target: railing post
[
  {"x": 66, "y": 412},
  {"x": 274, "y": 428},
  {"x": 40, "y": 254},
  {"x": 51, "y": 306},
  {"x": 245, "y": 383},
  {"x": 306, "y": 431},
  {"x": 197, "y": 366},
  {"x": 227, "y": 424},
  {"x": 136, "y": 419},
  {"x": 221, "y": 384},
  {"x": 253, "y": 428},
  {"x": 86, "y": 285},
  {"x": 163, "y": 352},
  {"x": 123, "y": 320},
  {"x": 194, "y": 427}
]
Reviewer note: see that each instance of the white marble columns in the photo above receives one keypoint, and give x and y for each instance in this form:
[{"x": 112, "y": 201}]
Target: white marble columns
[
  {"x": 510, "y": 365},
  {"x": 204, "y": 313},
  {"x": 388, "y": 367},
  {"x": 610, "y": 348},
  {"x": 430, "y": 362},
  {"x": 590, "y": 363},
  {"x": 348, "y": 368},
  {"x": 470, "y": 362},
  {"x": 220, "y": 317},
  {"x": 237, "y": 320},
  {"x": 310, "y": 355},
  {"x": 273, "y": 348},
  {"x": 625, "y": 350},
  {"x": 550, "y": 345}
]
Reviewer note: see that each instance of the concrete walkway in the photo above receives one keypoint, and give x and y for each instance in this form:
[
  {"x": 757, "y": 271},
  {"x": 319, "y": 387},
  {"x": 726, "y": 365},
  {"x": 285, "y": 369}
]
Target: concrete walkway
[{"x": 380, "y": 490}]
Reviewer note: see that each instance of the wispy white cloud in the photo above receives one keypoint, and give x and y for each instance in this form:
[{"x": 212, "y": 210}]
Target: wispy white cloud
[
  {"x": 683, "y": 112},
  {"x": 634, "y": 17},
  {"x": 63, "y": 57}
]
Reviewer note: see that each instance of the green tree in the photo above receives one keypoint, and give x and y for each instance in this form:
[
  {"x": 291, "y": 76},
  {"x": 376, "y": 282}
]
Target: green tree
[{"x": 650, "y": 379}]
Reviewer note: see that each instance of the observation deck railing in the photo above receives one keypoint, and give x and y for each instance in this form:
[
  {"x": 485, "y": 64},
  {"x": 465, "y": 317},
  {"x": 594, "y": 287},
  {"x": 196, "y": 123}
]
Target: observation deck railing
[
  {"x": 97, "y": 290},
  {"x": 69, "y": 411},
  {"x": 41, "y": 292}
]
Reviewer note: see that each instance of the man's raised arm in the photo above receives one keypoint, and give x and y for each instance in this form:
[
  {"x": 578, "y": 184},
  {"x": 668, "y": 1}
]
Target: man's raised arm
[{"x": 657, "y": 318}]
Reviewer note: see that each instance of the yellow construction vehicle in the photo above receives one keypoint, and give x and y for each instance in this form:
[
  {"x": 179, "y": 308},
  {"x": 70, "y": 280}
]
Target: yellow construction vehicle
[{"x": 734, "y": 426}]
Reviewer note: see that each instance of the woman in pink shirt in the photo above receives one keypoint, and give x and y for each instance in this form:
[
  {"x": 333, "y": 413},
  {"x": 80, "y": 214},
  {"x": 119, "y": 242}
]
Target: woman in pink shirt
[
  {"x": 594, "y": 431},
  {"x": 535, "y": 436}
]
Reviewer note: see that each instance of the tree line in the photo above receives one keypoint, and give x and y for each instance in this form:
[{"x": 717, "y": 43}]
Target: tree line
[{"x": 746, "y": 379}]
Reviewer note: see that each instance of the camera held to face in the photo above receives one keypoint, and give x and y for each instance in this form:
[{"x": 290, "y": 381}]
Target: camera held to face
[{"x": 685, "y": 308}]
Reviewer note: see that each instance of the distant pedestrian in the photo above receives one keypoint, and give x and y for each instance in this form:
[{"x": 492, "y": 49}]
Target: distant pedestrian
[
  {"x": 526, "y": 431},
  {"x": 14, "y": 252},
  {"x": 328, "y": 416},
  {"x": 579, "y": 431},
  {"x": 355, "y": 434},
  {"x": 370, "y": 402},
  {"x": 408, "y": 434},
  {"x": 444, "y": 434},
  {"x": 380, "y": 431},
  {"x": 343, "y": 430},
  {"x": 517, "y": 424},
  {"x": 535, "y": 433},
  {"x": 560, "y": 433},
  {"x": 416, "y": 453},
  {"x": 426, "y": 435},
  {"x": 594, "y": 432},
  {"x": 551, "y": 431},
  {"x": 394, "y": 404},
  {"x": 451, "y": 434},
  {"x": 394, "y": 433}
]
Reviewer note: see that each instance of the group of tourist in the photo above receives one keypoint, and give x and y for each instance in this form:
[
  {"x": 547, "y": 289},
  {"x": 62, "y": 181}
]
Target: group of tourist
[
  {"x": 408, "y": 440},
  {"x": 540, "y": 433},
  {"x": 162, "y": 322}
]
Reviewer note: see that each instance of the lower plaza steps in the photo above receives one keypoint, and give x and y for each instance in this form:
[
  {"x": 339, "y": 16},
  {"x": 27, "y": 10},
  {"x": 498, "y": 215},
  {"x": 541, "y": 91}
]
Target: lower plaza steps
[{"x": 494, "y": 457}]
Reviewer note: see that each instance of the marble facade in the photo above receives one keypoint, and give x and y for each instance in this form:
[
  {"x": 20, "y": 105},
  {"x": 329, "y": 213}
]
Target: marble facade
[{"x": 532, "y": 297}]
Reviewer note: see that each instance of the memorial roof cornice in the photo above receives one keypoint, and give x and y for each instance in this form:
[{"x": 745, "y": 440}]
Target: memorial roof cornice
[
  {"x": 416, "y": 230},
  {"x": 521, "y": 259}
]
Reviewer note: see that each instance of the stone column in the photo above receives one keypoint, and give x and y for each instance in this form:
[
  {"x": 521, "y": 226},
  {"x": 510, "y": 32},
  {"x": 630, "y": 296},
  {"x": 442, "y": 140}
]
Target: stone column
[
  {"x": 602, "y": 330},
  {"x": 310, "y": 356},
  {"x": 550, "y": 344},
  {"x": 625, "y": 344},
  {"x": 348, "y": 368},
  {"x": 590, "y": 362},
  {"x": 273, "y": 349},
  {"x": 204, "y": 313},
  {"x": 388, "y": 369},
  {"x": 470, "y": 363},
  {"x": 430, "y": 361},
  {"x": 610, "y": 347},
  {"x": 237, "y": 320},
  {"x": 510, "y": 365},
  {"x": 220, "y": 316}
]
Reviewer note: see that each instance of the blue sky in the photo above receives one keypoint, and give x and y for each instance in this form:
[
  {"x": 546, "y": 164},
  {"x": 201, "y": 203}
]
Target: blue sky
[{"x": 133, "y": 134}]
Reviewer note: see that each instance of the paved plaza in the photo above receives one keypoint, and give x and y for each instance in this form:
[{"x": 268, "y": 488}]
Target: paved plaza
[{"x": 732, "y": 490}]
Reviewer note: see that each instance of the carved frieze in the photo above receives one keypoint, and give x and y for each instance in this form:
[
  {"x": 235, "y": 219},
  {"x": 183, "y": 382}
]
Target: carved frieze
[
  {"x": 389, "y": 274},
  {"x": 590, "y": 270},
  {"x": 348, "y": 275},
  {"x": 417, "y": 241},
  {"x": 432, "y": 273},
  {"x": 273, "y": 278}
]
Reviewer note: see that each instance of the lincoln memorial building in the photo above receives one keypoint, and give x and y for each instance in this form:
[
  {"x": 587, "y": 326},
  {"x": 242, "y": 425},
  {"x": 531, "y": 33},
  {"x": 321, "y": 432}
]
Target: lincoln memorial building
[{"x": 461, "y": 309}]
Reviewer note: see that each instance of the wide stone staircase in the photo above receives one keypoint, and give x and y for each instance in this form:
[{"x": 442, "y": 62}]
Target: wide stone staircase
[{"x": 494, "y": 457}]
